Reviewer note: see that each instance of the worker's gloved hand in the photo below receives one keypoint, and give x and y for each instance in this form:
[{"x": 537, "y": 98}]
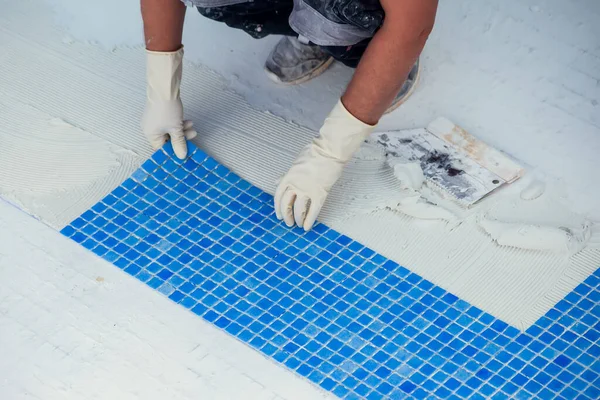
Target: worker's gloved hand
[
  {"x": 163, "y": 116},
  {"x": 303, "y": 190}
]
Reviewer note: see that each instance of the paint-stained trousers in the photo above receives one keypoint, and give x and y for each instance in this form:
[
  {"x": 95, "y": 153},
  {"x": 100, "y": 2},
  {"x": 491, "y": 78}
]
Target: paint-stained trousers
[{"x": 342, "y": 28}]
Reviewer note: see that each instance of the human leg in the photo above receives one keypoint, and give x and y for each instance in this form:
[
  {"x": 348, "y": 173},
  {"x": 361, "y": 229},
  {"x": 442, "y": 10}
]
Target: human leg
[{"x": 290, "y": 62}]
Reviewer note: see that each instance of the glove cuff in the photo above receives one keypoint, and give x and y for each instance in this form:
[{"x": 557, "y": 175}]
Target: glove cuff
[
  {"x": 163, "y": 74},
  {"x": 342, "y": 134}
]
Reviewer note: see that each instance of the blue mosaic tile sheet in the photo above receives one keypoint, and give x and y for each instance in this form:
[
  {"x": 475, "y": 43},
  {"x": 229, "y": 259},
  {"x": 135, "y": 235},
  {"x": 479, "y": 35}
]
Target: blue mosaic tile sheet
[{"x": 349, "y": 320}]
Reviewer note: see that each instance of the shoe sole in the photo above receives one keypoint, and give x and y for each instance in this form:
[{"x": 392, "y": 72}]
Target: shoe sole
[
  {"x": 316, "y": 72},
  {"x": 408, "y": 94}
]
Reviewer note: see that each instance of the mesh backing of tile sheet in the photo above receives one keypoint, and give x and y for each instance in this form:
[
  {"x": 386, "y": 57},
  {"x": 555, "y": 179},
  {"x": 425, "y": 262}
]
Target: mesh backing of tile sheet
[{"x": 349, "y": 320}]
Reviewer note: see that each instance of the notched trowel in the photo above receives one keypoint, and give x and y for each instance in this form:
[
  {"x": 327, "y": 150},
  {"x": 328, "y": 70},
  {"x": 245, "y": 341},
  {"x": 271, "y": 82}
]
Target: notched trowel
[{"x": 452, "y": 160}]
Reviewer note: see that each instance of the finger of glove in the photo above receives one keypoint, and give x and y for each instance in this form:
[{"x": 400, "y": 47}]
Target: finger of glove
[
  {"x": 179, "y": 144},
  {"x": 279, "y": 192},
  {"x": 313, "y": 212},
  {"x": 300, "y": 209},
  {"x": 190, "y": 134},
  {"x": 188, "y": 130},
  {"x": 157, "y": 141},
  {"x": 287, "y": 207}
]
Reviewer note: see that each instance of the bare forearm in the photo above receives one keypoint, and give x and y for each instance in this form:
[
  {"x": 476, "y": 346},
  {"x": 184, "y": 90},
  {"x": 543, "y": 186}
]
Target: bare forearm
[
  {"x": 387, "y": 62},
  {"x": 379, "y": 77},
  {"x": 163, "y": 24}
]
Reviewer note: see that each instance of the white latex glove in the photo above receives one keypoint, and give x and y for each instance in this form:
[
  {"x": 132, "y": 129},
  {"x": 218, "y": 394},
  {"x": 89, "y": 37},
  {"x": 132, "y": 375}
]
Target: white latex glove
[
  {"x": 163, "y": 116},
  {"x": 303, "y": 190}
]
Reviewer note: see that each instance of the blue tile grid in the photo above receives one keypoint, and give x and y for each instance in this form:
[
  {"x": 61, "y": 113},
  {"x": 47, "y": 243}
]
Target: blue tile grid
[{"x": 335, "y": 312}]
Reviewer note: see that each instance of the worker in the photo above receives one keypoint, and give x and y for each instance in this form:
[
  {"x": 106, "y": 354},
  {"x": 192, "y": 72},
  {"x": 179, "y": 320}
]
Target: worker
[{"x": 381, "y": 39}]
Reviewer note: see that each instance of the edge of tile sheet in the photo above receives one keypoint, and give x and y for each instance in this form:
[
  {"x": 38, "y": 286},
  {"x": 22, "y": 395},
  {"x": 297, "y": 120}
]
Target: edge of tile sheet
[
  {"x": 496, "y": 279},
  {"x": 323, "y": 305}
]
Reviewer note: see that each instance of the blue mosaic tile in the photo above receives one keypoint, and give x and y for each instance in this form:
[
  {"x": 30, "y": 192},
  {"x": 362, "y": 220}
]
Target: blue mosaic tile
[{"x": 323, "y": 305}]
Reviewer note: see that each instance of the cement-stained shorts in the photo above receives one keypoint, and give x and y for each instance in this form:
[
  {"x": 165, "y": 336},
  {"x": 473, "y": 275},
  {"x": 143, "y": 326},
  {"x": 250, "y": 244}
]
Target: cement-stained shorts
[{"x": 341, "y": 27}]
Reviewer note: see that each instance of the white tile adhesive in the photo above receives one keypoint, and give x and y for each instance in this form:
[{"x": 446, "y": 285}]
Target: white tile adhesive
[
  {"x": 72, "y": 326},
  {"x": 47, "y": 160},
  {"x": 99, "y": 95}
]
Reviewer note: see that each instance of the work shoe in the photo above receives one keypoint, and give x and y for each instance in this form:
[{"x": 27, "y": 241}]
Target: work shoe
[
  {"x": 407, "y": 89},
  {"x": 292, "y": 62}
]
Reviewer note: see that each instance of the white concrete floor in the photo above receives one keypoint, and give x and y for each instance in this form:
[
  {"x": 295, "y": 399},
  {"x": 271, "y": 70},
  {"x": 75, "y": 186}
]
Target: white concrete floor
[{"x": 523, "y": 76}]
